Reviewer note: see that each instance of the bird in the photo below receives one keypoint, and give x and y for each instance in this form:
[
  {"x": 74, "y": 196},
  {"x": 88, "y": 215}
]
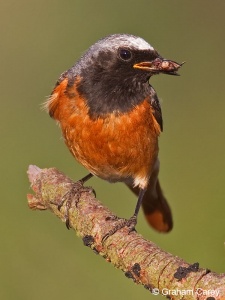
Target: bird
[{"x": 111, "y": 119}]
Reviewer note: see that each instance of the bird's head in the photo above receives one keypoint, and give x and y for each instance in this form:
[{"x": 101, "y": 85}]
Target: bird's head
[{"x": 115, "y": 71}]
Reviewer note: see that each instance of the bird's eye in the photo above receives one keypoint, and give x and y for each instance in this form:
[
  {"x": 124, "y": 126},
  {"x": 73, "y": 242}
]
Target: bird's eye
[{"x": 125, "y": 54}]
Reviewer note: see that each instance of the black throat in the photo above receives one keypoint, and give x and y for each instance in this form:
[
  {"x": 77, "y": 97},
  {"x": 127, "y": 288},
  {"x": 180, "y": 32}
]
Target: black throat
[
  {"x": 111, "y": 95},
  {"x": 103, "y": 99}
]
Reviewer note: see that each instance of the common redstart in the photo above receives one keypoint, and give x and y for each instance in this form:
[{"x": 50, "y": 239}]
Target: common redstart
[{"x": 111, "y": 119}]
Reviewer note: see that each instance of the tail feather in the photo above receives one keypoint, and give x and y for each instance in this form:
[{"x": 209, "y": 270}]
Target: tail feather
[{"x": 155, "y": 206}]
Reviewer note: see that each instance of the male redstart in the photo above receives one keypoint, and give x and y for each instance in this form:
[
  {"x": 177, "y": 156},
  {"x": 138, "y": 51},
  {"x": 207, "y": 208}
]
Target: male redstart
[{"x": 111, "y": 119}]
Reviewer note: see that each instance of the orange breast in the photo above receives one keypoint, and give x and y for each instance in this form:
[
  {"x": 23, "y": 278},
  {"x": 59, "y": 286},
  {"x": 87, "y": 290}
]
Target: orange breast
[{"x": 116, "y": 147}]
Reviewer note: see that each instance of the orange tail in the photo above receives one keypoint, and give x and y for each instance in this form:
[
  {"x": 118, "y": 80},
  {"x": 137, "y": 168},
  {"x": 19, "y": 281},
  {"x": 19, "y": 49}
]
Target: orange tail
[{"x": 156, "y": 209}]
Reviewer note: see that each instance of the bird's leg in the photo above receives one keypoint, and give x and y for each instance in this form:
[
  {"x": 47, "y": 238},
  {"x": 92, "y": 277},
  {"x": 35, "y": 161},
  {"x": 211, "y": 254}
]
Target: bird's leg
[
  {"x": 130, "y": 223},
  {"x": 73, "y": 196}
]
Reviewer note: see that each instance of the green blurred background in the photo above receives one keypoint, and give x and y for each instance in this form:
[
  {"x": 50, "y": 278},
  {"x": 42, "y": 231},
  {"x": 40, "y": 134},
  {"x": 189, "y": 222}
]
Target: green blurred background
[{"x": 40, "y": 259}]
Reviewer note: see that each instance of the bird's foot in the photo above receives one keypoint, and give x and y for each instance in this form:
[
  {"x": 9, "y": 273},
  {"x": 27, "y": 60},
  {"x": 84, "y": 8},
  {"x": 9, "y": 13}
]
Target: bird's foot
[
  {"x": 130, "y": 223},
  {"x": 72, "y": 197}
]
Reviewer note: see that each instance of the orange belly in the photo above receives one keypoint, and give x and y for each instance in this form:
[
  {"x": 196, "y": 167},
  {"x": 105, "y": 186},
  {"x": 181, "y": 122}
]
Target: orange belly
[{"x": 116, "y": 147}]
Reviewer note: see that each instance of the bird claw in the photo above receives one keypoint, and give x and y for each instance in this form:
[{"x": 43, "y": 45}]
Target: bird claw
[
  {"x": 112, "y": 218},
  {"x": 72, "y": 198},
  {"x": 130, "y": 223}
]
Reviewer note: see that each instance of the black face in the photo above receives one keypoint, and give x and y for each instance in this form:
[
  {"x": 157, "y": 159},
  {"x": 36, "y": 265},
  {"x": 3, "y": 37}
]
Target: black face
[
  {"x": 120, "y": 64},
  {"x": 128, "y": 57},
  {"x": 111, "y": 82}
]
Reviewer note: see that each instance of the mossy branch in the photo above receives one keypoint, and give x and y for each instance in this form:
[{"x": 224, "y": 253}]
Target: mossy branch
[{"x": 141, "y": 260}]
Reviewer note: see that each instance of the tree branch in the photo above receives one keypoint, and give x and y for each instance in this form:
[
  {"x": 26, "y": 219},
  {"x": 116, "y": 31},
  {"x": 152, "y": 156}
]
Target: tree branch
[{"x": 141, "y": 260}]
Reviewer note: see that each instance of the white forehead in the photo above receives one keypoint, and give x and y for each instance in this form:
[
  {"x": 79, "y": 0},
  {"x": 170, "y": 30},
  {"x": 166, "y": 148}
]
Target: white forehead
[
  {"x": 138, "y": 43},
  {"x": 126, "y": 40}
]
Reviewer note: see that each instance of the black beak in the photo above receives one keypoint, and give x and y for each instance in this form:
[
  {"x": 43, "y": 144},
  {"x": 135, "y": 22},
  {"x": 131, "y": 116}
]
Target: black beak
[{"x": 159, "y": 65}]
